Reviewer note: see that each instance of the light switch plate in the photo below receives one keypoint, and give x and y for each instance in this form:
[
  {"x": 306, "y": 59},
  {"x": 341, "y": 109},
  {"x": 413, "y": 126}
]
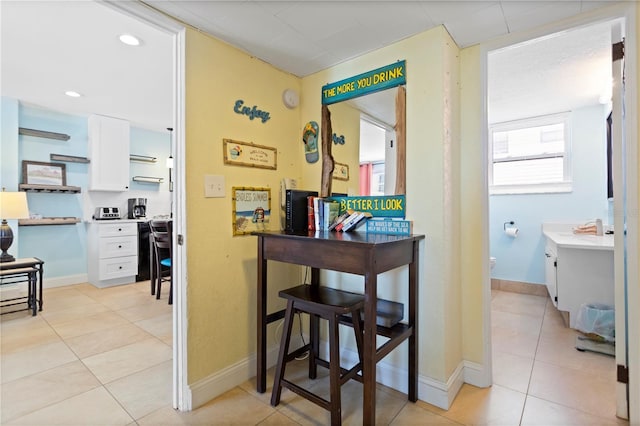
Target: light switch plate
[{"x": 213, "y": 186}]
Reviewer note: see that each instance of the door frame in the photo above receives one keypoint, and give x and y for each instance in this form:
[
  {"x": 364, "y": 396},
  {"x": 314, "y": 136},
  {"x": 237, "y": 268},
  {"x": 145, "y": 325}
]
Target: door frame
[
  {"x": 627, "y": 12},
  {"x": 181, "y": 394}
]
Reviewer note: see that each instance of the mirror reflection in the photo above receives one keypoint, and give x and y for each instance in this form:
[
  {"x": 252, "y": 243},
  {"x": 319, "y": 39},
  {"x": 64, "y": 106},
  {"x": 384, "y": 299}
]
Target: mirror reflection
[{"x": 377, "y": 147}]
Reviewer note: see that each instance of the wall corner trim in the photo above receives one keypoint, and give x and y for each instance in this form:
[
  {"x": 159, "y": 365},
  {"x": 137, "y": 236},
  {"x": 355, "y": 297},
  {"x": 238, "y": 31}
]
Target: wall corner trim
[{"x": 439, "y": 393}]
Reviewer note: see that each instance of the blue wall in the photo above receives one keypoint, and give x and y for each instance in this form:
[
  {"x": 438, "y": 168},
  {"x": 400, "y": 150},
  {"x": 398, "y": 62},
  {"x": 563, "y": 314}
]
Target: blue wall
[
  {"x": 145, "y": 142},
  {"x": 64, "y": 247},
  {"x": 522, "y": 258}
]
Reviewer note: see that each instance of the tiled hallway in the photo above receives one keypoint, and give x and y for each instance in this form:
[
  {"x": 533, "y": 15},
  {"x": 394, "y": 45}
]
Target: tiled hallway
[{"x": 103, "y": 357}]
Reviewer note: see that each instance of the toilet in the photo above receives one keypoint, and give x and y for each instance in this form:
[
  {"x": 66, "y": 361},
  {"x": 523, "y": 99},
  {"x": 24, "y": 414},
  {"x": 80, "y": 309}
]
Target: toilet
[{"x": 493, "y": 261}]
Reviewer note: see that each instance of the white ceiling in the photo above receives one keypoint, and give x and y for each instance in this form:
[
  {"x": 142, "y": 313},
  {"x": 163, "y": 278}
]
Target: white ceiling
[
  {"x": 303, "y": 37},
  {"x": 552, "y": 74},
  {"x": 49, "y": 47},
  {"x": 52, "y": 46}
]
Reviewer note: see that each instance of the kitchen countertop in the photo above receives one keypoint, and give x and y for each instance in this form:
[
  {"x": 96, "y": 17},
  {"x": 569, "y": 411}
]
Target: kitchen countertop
[
  {"x": 563, "y": 236},
  {"x": 118, "y": 220}
]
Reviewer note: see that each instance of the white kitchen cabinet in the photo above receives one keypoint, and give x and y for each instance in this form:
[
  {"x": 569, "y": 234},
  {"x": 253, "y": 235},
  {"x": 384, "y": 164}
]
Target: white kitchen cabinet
[
  {"x": 579, "y": 269},
  {"x": 113, "y": 253},
  {"x": 109, "y": 140}
]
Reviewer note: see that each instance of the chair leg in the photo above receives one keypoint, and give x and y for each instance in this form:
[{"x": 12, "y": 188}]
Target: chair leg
[
  {"x": 152, "y": 270},
  {"x": 334, "y": 372},
  {"x": 158, "y": 287},
  {"x": 158, "y": 280},
  {"x": 357, "y": 329},
  {"x": 284, "y": 350},
  {"x": 314, "y": 350},
  {"x": 171, "y": 287}
]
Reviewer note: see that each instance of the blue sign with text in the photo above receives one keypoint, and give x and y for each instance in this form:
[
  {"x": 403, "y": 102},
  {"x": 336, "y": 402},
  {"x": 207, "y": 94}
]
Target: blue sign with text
[{"x": 372, "y": 81}]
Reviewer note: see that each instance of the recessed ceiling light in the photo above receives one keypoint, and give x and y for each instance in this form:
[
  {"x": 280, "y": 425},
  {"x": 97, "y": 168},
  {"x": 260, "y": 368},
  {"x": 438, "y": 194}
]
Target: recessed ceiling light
[
  {"x": 130, "y": 40},
  {"x": 72, "y": 94}
]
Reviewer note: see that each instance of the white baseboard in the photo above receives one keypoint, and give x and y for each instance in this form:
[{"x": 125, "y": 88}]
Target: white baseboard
[
  {"x": 64, "y": 281},
  {"x": 208, "y": 388},
  {"x": 50, "y": 282},
  {"x": 439, "y": 393},
  {"x": 475, "y": 374},
  {"x": 431, "y": 391}
]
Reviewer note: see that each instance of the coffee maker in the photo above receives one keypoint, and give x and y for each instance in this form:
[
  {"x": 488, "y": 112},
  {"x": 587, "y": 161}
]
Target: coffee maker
[{"x": 137, "y": 208}]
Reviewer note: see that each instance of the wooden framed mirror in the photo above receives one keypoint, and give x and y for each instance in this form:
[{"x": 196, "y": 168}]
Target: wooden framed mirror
[{"x": 390, "y": 77}]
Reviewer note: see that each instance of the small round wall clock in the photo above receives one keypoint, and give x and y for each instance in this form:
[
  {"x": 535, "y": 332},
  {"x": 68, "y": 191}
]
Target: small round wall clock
[{"x": 290, "y": 98}]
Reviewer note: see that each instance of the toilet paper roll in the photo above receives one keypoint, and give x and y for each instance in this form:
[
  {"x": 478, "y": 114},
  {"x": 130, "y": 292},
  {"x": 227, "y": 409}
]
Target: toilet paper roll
[{"x": 511, "y": 232}]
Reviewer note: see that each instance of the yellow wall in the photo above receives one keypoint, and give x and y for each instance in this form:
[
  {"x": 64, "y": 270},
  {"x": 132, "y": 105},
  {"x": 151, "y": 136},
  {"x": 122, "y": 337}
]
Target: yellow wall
[
  {"x": 221, "y": 293},
  {"x": 432, "y": 183},
  {"x": 472, "y": 205},
  {"x": 222, "y": 269}
]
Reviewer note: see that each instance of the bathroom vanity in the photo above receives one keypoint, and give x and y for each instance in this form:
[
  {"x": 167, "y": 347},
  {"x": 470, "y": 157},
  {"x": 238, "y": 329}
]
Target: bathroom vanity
[{"x": 578, "y": 269}]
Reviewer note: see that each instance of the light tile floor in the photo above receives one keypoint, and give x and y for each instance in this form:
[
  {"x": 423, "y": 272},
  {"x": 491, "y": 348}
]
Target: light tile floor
[{"x": 103, "y": 357}]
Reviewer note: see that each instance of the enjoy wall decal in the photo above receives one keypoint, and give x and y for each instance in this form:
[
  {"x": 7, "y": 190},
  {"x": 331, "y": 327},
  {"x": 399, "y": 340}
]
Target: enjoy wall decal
[{"x": 251, "y": 112}]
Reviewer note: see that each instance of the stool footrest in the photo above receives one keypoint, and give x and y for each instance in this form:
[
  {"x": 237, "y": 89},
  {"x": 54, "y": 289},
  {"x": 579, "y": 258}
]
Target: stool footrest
[
  {"x": 306, "y": 394},
  {"x": 345, "y": 375}
]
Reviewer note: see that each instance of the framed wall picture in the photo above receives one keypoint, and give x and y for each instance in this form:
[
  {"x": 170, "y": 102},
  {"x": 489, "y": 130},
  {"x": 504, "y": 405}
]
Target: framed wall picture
[
  {"x": 249, "y": 154},
  {"x": 340, "y": 171},
  {"x": 251, "y": 209},
  {"x": 38, "y": 173}
]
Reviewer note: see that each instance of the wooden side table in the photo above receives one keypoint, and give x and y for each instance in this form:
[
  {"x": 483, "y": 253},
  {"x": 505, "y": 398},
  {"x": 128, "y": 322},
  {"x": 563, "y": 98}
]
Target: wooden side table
[
  {"x": 357, "y": 253},
  {"x": 29, "y": 270}
]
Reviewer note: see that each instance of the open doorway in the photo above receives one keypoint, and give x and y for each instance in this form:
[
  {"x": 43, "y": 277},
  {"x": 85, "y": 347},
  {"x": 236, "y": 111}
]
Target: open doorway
[
  {"x": 181, "y": 399},
  {"x": 557, "y": 174}
]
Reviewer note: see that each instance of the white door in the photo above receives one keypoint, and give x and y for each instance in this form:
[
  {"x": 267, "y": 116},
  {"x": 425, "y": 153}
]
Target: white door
[{"x": 620, "y": 219}]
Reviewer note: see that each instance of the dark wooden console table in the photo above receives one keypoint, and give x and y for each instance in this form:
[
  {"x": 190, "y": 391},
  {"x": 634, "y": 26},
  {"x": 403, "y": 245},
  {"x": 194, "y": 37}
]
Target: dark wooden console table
[
  {"x": 357, "y": 253},
  {"x": 27, "y": 270}
]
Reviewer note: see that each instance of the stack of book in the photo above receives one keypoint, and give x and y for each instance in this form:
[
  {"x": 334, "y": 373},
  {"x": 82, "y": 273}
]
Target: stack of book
[
  {"x": 373, "y": 214},
  {"x": 351, "y": 220},
  {"x": 321, "y": 213}
]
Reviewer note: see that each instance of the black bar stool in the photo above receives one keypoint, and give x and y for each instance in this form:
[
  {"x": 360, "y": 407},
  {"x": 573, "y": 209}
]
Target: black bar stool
[
  {"x": 161, "y": 232},
  {"x": 329, "y": 304}
]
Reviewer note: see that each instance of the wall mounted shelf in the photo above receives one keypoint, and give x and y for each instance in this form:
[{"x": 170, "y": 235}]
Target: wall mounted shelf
[
  {"x": 143, "y": 158},
  {"x": 49, "y": 221},
  {"x": 43, "y": 134},
  {"x": 48, "y": 188},
  {"x": 68, "y": 158},
  {"x": 58, "y": 189},
  {"x": 147, "y": 179}
]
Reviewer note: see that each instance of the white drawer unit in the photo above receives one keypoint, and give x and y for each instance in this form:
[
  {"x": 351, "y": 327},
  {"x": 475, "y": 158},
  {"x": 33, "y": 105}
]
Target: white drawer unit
[
  {"x": 118, "y": 267},
  {"x": 118, "y": 246},
  {"x": 116, "y": 229},
  {"x": 112, "y": 253}
]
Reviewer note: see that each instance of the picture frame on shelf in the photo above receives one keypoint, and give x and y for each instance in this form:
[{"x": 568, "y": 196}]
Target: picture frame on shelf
[{"x": 41, "y": 173}]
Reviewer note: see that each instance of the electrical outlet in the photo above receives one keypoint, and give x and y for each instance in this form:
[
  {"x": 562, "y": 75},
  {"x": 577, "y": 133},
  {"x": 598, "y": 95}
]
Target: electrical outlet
[{"x": 213, "y": 186}]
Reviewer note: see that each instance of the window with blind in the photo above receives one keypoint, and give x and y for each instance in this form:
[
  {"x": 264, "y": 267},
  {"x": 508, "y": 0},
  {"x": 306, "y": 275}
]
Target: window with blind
[{"x": 530, "y": 156}]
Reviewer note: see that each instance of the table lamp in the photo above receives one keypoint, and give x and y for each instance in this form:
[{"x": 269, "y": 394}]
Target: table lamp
[{"x": 13, "y": 205}]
